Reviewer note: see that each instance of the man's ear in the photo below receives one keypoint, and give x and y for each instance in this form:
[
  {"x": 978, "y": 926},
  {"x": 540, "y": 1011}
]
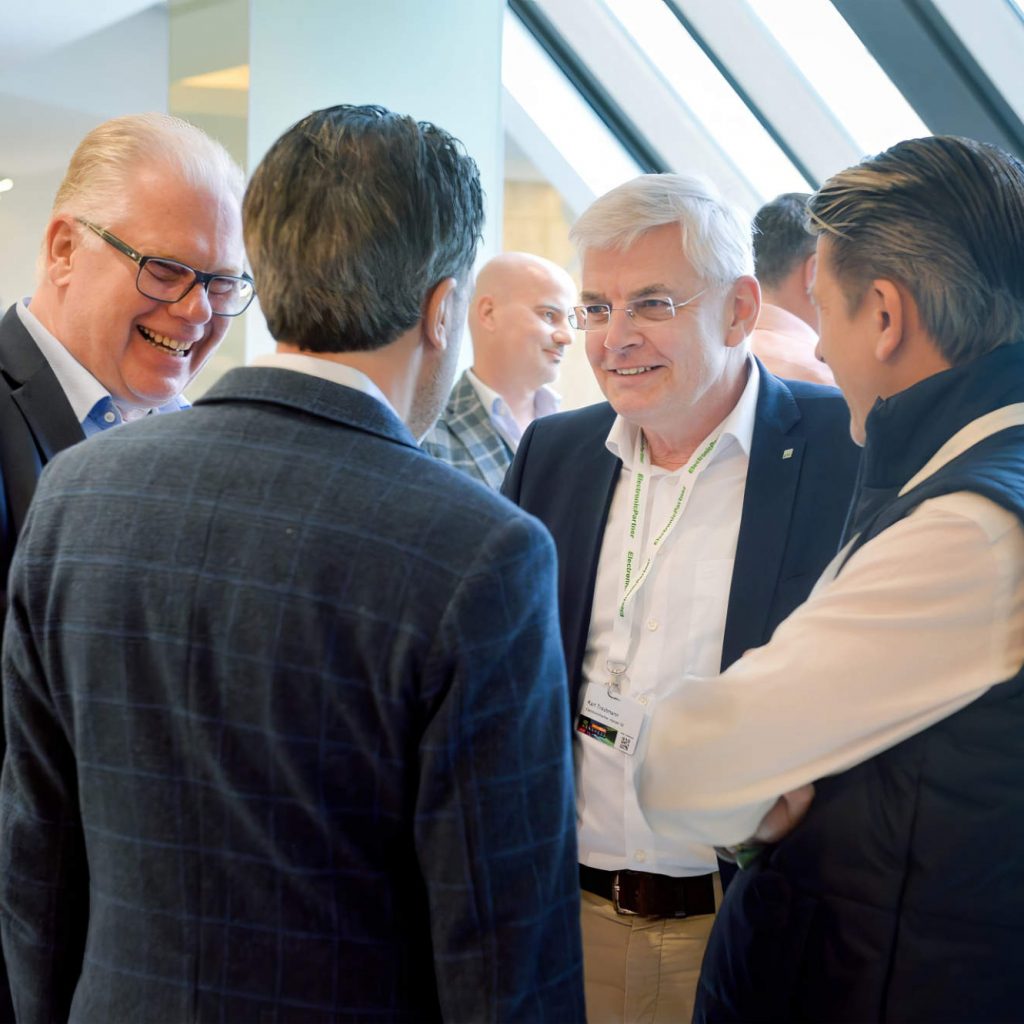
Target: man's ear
[
  {"x": 890, "y": 314},
  {"x": 485, "y": 306},
  {"x": 60, "y": 242},
  {"x": 746, "y": 305},
  {"x": 438, "y": 313},
  {"x": 807, "y": 276}
]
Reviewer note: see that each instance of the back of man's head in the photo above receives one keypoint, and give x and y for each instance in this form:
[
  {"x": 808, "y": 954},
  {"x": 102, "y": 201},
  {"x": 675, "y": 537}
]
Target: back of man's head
[
  {"x": 943, "y": 217},
  {"x": 354, "y": 214},
  {"x": 782, "y": 240},
  {"x": 715, "y": 233}
]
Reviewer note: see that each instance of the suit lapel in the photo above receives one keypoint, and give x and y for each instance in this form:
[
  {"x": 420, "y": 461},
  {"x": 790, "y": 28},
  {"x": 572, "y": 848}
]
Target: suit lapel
[
  {"x": 471, "y": 424},
  {"x": 597, "y": 472},
  {"x": 776, "y": 455},
  {"x": 46, "y": 410},
  {"x": 39, "y": 401}
]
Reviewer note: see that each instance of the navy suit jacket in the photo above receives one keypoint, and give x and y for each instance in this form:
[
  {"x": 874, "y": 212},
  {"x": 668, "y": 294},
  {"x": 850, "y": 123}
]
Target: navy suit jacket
[
  {"x": 794, "y": 507},
  {"x": 286, "y": 725},
  {"x": 36, "y": 422}
]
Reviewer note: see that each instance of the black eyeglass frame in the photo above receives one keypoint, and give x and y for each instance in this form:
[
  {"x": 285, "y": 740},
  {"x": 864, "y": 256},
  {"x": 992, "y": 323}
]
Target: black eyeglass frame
[{"x": 200, "y": 277}]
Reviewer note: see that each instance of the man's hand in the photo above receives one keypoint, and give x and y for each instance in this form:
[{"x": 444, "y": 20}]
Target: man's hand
[{"x": 786, "y": 813}]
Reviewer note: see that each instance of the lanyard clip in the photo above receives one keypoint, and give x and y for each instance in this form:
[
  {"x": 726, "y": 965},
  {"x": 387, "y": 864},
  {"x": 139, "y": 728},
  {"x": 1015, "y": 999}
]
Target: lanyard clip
[{"x": 616, "y": 669}]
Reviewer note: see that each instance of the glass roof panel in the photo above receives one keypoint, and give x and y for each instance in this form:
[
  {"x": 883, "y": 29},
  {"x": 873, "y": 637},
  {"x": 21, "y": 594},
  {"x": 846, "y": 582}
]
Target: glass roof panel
[
  {"x": 559, "y": 111},
  {"x": 702, "y": 88},
  {"x": 994, "y": 35},
  {"x": 838, "y": 65}
]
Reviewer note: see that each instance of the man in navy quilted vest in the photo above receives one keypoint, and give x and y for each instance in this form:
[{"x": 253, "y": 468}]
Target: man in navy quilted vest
[{"x": 893, "y": 888}]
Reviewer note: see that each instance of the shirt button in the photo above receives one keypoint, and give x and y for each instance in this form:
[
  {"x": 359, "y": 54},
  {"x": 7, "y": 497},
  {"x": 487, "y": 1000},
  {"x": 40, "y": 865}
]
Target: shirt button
[
  {"x": 642, "y": 698},
  {"x": 109, "y": 417},
  {"x": 640, "y": 855},
  {"x": 652, "y": 624}
]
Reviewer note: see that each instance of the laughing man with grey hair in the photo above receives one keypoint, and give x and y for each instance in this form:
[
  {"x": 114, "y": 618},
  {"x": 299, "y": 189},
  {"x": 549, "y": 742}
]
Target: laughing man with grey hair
[{"x": 691, "y": 512}]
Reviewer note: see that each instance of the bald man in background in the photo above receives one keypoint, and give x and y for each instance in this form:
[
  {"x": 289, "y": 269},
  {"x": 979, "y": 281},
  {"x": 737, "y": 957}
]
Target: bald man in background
[{"x": 518, "y": 319}]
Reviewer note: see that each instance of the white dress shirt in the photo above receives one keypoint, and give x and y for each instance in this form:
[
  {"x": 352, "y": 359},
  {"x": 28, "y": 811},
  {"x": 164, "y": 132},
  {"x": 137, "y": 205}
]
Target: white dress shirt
[
  {"x": 922, "y": 620},
  {"x": 677, "y": 623},
  {"x": 326, "y": 369},
  {"x": 545, "y": 401}
]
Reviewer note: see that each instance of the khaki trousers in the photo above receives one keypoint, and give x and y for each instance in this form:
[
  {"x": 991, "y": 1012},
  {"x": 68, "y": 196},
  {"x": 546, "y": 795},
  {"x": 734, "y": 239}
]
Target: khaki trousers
[{"x": 641, "y": 970}]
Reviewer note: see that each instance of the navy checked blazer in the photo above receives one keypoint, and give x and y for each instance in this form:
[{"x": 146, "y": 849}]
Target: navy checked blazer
[
  {"x": 465, "y": 437},
  {"x": 287, "y": 735}
]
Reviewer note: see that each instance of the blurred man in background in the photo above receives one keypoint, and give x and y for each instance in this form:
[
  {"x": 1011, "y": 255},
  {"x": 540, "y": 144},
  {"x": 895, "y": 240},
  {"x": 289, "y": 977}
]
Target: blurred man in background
[
  {"x": 784, "y": 261},
  {"x": 518, "y": 319}
]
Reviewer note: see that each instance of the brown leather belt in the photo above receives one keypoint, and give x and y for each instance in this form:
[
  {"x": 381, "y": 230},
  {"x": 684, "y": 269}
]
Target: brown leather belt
[{"x": 640, "y": 894}]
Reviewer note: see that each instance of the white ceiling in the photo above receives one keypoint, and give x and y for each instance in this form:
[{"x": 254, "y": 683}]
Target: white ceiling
[{"x": 30, "y": 30}]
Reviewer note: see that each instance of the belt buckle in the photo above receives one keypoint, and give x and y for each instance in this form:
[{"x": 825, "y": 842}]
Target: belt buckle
[{"x": 619, "y": 908}]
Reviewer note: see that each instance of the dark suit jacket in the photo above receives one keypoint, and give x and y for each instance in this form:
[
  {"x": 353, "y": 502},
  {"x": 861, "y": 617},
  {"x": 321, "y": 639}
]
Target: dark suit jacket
[
  {"x": 793, "y": 508},
  {"x": 287, "y": 730},
  {"x": 36, "y": 422}
]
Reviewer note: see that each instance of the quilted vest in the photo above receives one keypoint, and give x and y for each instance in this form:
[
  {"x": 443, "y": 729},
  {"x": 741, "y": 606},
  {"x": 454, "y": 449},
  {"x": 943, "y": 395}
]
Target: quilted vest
[{"x": 900, "y": 897}]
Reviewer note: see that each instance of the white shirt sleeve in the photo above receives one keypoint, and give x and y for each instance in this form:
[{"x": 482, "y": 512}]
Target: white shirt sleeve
[{"x": 922, "y": 620}]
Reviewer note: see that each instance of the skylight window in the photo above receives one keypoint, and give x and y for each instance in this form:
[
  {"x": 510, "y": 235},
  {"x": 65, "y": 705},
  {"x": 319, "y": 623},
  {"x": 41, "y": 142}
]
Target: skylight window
[
  {"x": 558, "y": 110},
  {"x": 837, "y": 64},
  {"x": 700, "y": 86},
  {"x": 994, "y": 35}
]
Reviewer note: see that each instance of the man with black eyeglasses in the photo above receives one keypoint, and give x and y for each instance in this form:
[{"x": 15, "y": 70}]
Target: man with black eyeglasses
[
  {"x": 140, "y": 273},
  {"x": 692, "y": 512}
]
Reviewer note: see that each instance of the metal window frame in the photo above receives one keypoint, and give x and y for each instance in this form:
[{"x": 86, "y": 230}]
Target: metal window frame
[{"x": 930, "y": 65}]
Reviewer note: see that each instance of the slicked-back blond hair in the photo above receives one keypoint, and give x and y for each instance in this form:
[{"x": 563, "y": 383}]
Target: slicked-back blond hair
[{"x": 944, "y": 217}]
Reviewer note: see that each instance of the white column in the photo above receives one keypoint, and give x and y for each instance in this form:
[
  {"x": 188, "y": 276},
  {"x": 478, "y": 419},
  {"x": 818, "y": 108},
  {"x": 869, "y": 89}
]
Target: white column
[{"x": 436, "y": 60}]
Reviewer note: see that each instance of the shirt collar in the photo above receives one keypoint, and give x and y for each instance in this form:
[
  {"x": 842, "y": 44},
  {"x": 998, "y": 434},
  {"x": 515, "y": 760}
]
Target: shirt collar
[
  {"x": 326, "y": 369},
  {"x": 737, "y": 427},
  {"x": 82, "y": 390},
  {"x": 545, "y": 401},
  {"x": 85, "y": 394}
]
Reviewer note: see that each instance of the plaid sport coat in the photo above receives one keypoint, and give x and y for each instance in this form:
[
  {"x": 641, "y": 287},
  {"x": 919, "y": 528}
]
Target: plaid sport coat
[
  {"x": 287, "y": 731},
  {"x": 465, "y": 437}
]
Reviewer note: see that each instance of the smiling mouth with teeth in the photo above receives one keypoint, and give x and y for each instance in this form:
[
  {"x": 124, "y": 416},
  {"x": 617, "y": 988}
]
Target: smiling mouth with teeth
[
  {"x": 632, "y": 371},
  {"x": 165, "y": 344}
]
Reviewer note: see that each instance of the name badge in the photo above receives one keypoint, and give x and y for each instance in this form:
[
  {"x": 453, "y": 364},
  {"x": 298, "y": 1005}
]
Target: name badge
[{"x": 610, "y": 718}]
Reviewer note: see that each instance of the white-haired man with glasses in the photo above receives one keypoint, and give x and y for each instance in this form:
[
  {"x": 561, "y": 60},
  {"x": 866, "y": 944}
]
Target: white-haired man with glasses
[
  {"x": 140, "y": 272},
  {"x": 692, "y": 512}
]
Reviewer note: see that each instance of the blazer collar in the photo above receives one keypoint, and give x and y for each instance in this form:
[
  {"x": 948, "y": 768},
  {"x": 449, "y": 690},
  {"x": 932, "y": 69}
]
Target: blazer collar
[
  {"x": 35, "y": 389},
  {"x": 776, "y": 455},
  {"x": 312, "y": 395}
]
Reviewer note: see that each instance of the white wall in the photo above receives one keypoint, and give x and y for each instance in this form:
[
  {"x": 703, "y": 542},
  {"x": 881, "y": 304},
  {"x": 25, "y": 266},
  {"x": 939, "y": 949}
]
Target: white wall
[
  {"x": 437, "y": 61},
  {"x": 47, "y": 104}
]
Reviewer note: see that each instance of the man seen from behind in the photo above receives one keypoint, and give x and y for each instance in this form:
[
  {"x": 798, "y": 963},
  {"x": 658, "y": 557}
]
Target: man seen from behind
[{"x": 285, "y": 694}]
